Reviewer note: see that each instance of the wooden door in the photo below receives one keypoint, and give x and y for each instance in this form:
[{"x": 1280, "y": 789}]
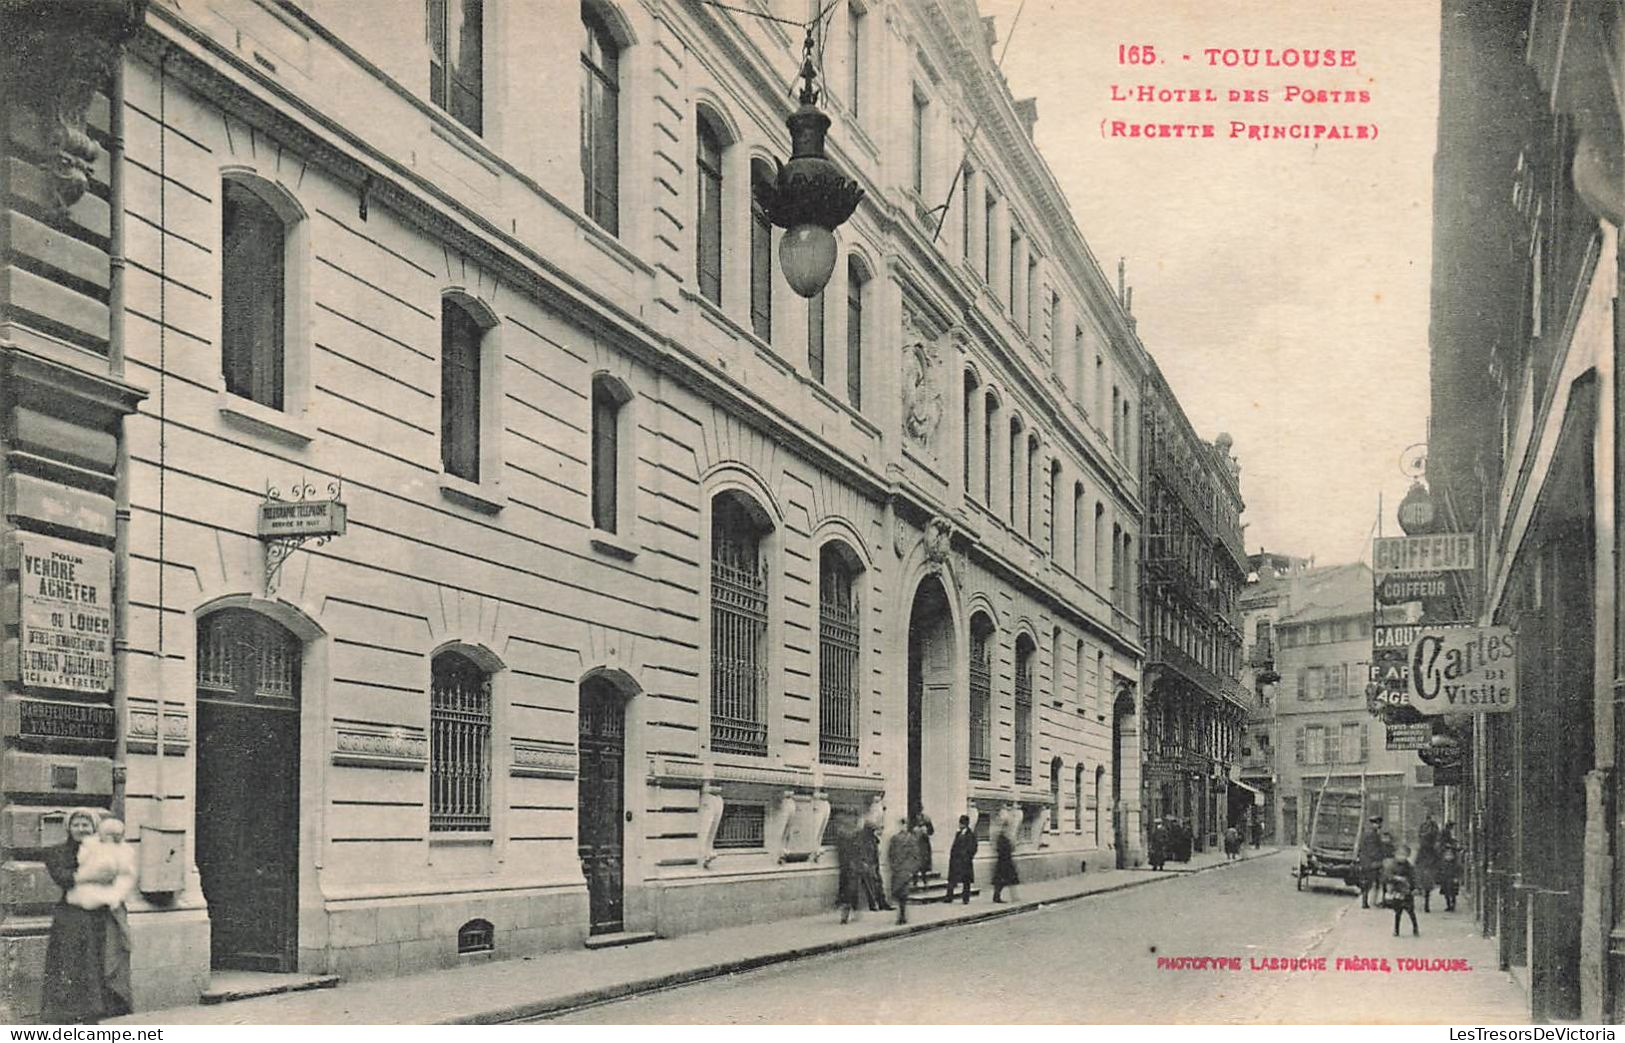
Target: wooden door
[{"x": 601, "y": 804}]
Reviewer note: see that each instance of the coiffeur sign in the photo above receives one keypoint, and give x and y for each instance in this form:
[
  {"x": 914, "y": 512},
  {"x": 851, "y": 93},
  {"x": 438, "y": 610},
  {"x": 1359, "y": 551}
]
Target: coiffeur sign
[{"x": 1464, "y": 670}]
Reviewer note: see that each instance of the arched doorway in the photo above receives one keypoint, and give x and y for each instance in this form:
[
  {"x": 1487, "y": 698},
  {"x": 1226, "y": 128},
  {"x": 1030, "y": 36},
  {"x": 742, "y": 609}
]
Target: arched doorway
[
  {"x": 930, "y": 702},
  {"x": 600, "y": 804},
  {"x": 1125, "y": 738},
  {"x": 248, "y": 672}
]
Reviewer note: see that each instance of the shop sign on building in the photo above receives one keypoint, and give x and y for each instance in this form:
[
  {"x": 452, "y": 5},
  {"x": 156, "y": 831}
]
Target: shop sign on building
[
  {"x": 1409, "y": 736},
  {"x": 1443, "y": 552},
  {"x": 64, "y": 613},
  {"x": 1394, "y": 636},
  {"x": 283, "y": 518},
  {"x": 1464, "y": 670}
]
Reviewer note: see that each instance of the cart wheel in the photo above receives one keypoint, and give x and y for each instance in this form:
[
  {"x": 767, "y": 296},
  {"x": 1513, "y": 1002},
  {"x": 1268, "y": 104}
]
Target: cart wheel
[{"x": 1301, "y": 871}]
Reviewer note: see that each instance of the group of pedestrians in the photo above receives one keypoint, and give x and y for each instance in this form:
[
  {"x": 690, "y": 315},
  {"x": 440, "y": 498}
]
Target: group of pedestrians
[
  {"x": 87, "y": 956},
  {"x": 909, "y": 859},
  {"x": 1168, "y": 840},
  {"x": 1389, "y": 873}
]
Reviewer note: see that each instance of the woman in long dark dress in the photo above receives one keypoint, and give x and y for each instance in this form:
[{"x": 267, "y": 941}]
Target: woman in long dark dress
[
  {"x": 1004, "y": 863},
  {"x": 76, "y": 950}
]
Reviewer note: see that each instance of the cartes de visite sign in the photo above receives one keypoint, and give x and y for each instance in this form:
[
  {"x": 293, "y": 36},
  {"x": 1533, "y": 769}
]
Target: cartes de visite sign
[
  {"x": 1464, "y": 670},
  {"x": 64, "y": 612}
]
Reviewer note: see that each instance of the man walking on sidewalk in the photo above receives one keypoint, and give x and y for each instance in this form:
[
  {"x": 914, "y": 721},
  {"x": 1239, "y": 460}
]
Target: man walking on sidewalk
[
  {"x": 962, "y": 860},
  {"x": 1369, "y": 855},
  {"x": 903, "y": 858}
]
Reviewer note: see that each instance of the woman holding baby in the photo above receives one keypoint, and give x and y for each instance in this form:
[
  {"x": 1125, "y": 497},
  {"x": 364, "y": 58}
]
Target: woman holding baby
[{"x": 87, "y": 957}]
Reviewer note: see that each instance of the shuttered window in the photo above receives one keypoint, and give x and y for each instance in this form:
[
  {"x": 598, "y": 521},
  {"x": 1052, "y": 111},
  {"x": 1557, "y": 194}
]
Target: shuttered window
[
  {"x": 708, "y": 223},
  {"x": 459, "y": 745},
  {"x": 761, "y": 254}
]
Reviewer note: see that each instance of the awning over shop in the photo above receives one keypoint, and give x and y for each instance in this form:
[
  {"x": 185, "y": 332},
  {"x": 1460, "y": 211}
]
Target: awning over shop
[{"x": 1258, "y": 794}]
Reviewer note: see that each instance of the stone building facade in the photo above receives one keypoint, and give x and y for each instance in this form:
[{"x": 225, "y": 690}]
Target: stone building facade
[
  {"x": 1263, "y": 601},
  {"x": 499, "y": 553},
  {"x": 1194, "y": 569}
]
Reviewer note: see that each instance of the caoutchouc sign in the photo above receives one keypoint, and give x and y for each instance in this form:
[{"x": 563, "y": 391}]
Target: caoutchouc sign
[{"x": 1464, "y": 670}]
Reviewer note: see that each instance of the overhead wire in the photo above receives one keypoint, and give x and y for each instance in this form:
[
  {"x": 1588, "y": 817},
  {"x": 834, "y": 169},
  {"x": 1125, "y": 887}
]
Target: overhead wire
[{"x": 970, "y": 139}]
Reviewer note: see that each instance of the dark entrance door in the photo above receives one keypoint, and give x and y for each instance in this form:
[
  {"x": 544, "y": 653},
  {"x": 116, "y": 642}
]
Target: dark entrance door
[
  {"x": 248, "y": 790},
  {"x": 600, "y": 803},
  {"x": 916, "y": 729}
]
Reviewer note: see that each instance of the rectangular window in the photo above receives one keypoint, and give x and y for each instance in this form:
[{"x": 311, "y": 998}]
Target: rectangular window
[
  {"x": 1034, "y": 290},
  {"x": 741, "y": 826},
  {"x": 606, "y": 410},
  {"x": 967, "y": 212},
  {"x": 989, "y": 242},
  {"x": 854, "y": 58},
  {"x": 1353, "y": 743},
  {"x": 708, "y": 222},
  {"x": 1055, "y": 333},
  {"x": 460, "y": 336},
  {"x": 1024, "y": 719},
  {"x": 1317, "y": 683},
  {"x": 1015, "y": 271},
  {"x": 761, "y": 261},
  {"x": 600, "y": 123},
  {"x": 252, "y": 296},
  {"x": 837, "y": 663},
  {"x": 917, "y": 144},
  {"x": 855, "y": 284},
  {"x": 981, "y": 706},
  {"x": 815, "y": 337},
  {"x": 456, "y": 31}
]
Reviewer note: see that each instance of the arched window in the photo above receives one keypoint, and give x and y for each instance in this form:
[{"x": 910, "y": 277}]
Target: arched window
[
  {"x": 1077, "y": 677},
  {"x": 1077, "y": 799},
  {"x": 1100, "y": 683},
  {"x": 1025, "y": 654},
  {"x": 600, "y": 121},
  {"x": 738, "y": 626},
  {"x": 244, "y": 657},
  {"x": 460, "y": 390},
  {"x": 1055, "y": 665},
  {"x": 857, "y": 284},
  {"x": 1055, "y": 795},
  {"x": 1100, "y": 544},
  {"x": 1100, "y": 799},
  {"x": 838, "y": 647},
  {"x": 761, "y": 253},
  {"x": 1017, "y": 450},
  {"x": 459, "y": 745},
  {"x": 981, "y": 697},
  {"x": 708, "y": 216},
  {"x": 253, "y": 295},
  {"x": 456, "y": 59},
  {"x": 609, "y": 463}
]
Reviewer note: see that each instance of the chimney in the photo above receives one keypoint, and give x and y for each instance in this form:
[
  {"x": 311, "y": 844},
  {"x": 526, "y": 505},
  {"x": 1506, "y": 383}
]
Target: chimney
[
  {"x": 1027, "y": 113},
  {"x": 1122, "y": 265},
  {"x": 990, "y": 32}
]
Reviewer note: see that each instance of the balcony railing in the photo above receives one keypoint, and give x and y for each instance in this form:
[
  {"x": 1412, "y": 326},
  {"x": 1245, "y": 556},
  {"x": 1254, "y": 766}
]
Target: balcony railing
[{"x": 1161, "y": 651}]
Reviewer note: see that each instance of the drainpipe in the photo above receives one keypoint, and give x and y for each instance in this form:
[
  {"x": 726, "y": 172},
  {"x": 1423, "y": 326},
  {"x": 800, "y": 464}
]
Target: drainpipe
[{"x": 121, "y": 488}]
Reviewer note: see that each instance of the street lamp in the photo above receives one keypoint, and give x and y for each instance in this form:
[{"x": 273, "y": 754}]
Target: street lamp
[{"x": 810, "y": 197}]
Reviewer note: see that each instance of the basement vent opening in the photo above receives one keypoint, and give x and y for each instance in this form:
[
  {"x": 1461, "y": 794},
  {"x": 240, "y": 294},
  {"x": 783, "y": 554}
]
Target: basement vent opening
[{"x": 475, "y": 936}]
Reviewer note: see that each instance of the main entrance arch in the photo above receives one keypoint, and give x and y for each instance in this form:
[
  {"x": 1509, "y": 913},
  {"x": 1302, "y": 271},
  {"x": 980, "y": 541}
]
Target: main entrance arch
[
  {"x": 600, "y": 804},
  {"x": 932, "y": 767}
]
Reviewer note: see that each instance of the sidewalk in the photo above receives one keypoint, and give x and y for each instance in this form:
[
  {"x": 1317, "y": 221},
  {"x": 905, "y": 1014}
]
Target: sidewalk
[
  {"x": 551, "y": 982},
  {"x": 1430, "y": 994}
]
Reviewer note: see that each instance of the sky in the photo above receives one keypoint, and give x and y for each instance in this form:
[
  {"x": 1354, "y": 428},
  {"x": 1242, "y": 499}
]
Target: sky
[{"x": 1282, "y": 286}]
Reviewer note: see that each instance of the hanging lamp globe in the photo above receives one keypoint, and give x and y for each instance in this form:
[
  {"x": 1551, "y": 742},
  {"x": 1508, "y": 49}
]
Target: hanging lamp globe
[{"x": 810, "y": 197}]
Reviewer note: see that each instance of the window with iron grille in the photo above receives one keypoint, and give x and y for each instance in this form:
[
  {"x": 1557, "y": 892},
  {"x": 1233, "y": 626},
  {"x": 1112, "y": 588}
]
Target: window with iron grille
[
  {"x": 984, "y": 827},
  {"x": 738, "y": 631},
  {"x": 244, "y": 657},
  {"x": 742, "y": 826},
  {"x": 1024, "y": 712},
  {"x": 837, "y": 660},
  {"x": 459, "y": 746},
  {"x": 981, "y": 700}
]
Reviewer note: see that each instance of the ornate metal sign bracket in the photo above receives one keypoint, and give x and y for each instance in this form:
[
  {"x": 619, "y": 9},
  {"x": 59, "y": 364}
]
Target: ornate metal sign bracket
[{"x": 288, "y": 522}]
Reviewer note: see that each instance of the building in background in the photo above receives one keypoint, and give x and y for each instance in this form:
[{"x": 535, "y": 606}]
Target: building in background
[
  {"x": 1326, "y": 732},
  {"x": 1525, "y": 451},
  {"x": 1262, "y": 603},
  {"x": 476, "y": 545},
  {"x": 1193, "y": 572}
]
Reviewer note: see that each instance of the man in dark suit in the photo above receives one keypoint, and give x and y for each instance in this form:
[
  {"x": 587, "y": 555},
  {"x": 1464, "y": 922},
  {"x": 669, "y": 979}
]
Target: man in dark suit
[{"x": 962, "y": 860}]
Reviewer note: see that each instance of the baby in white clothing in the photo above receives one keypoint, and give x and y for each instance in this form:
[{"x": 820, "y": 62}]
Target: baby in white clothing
[{"x": 106, "y": 873}]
